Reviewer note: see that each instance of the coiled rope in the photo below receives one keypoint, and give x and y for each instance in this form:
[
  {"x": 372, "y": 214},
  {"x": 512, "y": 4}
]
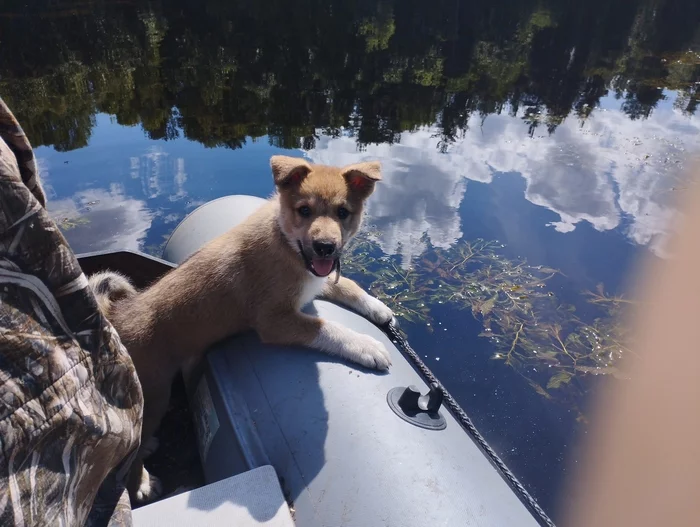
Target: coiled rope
[{"x": 397, "y": 337}]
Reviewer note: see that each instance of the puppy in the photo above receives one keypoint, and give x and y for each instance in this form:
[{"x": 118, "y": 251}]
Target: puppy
[{"x": 256, "y": 276}]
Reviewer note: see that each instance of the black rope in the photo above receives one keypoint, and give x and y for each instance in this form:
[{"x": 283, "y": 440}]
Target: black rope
[{"x": 392, "y": 330}]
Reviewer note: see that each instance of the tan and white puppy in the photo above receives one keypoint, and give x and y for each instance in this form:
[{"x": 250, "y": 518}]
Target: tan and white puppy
[{"x": 256, "y": 276}]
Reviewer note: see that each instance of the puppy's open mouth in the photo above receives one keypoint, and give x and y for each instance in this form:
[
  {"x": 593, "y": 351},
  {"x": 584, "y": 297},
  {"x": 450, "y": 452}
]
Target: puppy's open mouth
[{"x": 320, "y": 267}]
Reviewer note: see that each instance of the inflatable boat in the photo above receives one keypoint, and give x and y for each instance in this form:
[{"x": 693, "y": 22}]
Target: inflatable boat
[{"x": 293, "y": 436}]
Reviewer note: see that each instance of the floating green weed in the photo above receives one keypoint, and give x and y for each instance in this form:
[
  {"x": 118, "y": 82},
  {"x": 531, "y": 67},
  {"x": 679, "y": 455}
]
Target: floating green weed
[
  {"x": 543, "y": 340},
  {"x": 67, "y": 224}
]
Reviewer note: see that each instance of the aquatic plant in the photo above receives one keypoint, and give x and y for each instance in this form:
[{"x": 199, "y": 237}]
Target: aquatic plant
[
  {"x": 544, "y": 340},
  {"x": 67, "y": 223}
]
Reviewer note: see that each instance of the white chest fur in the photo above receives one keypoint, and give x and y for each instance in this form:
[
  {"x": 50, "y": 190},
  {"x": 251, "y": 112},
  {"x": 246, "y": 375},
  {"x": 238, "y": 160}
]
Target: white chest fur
[{"x": 313, "y": 285}]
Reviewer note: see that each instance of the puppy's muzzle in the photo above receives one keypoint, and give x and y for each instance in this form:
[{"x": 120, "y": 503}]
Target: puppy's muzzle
[
  {"x": 324, "y": 249},
  {"x": 324, "y": 260}
]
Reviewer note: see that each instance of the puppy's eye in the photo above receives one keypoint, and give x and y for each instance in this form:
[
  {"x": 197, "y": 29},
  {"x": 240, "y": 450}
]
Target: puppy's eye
[
  {"x": 304, "y": 211},
  {"x": 343, "y": 213}
]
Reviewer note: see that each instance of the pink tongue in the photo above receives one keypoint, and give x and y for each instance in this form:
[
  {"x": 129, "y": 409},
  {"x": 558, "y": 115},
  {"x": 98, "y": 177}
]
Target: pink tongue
[{"x": 322, "y": 267}]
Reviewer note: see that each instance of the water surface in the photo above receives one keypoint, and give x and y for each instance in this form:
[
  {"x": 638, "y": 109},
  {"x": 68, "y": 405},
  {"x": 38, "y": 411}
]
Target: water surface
[{"x": 553, "y": 132}]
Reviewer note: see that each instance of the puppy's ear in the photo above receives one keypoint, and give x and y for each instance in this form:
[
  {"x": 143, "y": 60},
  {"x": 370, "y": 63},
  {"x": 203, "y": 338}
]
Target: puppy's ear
[
  {"x": 288, "y": 170},
  {"x": 361, "y": 177}
]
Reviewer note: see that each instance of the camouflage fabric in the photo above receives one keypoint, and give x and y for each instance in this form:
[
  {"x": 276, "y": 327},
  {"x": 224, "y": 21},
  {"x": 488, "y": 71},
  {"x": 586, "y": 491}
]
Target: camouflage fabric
[{"x": 70, "y": 402}]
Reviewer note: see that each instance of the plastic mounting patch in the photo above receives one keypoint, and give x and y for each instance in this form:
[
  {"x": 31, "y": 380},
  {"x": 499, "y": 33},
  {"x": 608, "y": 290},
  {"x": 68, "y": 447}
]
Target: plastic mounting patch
[{"x": 419, "y": 410}]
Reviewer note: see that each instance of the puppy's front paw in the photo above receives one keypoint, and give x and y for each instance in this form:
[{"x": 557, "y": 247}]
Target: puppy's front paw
[
  {"x": 371, "y": 353},
  {"x": 338, "y": 340},
  {"x": 376, "y": 310},
  {"x": 149, "y": 489}
]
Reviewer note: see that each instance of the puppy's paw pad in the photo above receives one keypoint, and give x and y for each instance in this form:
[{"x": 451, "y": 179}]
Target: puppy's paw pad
[
  {"x": 150, "y": 446},
  {"x": 377, "y": 311},
  {"x": 150, "y": 488}
]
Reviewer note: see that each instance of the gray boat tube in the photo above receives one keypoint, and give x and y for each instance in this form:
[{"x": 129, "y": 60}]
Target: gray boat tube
[{"x": 343, "y": 455}]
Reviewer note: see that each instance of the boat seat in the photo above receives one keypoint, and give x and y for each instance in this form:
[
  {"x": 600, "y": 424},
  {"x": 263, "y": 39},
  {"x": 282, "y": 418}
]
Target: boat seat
[{"x": 250, "y": 499}]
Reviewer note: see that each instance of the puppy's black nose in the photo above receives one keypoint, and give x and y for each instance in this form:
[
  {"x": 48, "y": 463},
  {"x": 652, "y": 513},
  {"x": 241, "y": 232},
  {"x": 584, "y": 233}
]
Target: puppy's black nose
[{"x": 324, "y": 249}]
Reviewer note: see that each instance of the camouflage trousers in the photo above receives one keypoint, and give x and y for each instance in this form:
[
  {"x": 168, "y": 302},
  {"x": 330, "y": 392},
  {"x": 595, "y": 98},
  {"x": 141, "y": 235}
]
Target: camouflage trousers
[{"x": 70, "y": 402}]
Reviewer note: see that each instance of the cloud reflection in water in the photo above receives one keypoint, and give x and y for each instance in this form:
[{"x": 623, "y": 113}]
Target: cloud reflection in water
[{"x": 610, "y": 171}]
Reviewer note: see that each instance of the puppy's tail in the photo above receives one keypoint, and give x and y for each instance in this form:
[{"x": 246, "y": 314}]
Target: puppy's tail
[{"x": 110, "y": 287}]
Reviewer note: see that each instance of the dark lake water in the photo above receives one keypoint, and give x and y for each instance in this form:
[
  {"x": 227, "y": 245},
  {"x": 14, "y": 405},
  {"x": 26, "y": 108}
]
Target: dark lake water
[{"x": 532, "y": 152}]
